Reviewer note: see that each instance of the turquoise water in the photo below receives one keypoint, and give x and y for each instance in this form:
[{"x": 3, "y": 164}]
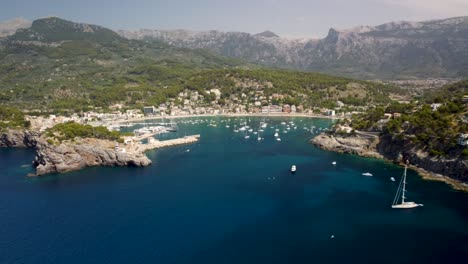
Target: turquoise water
[{"x": 229, "y": 200}]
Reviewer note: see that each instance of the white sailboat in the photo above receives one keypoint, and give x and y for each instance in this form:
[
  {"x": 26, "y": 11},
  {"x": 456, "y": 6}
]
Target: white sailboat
[{"x": 402, "y": 190}]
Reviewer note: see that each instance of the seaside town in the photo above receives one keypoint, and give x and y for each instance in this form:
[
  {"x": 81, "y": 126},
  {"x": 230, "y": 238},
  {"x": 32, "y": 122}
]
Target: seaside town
[{"x": 191, "y": 103}]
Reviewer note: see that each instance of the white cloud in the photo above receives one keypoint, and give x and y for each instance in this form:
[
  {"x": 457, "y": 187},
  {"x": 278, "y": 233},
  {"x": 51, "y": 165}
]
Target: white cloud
[{"x": 438, "y": 8}]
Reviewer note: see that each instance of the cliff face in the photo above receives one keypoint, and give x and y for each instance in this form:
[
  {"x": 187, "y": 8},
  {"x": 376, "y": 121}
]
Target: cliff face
[
  {"x": 395, "y": 150},
  {"x": 18, "y": 138},
  {"x": 70, "y": 156}
]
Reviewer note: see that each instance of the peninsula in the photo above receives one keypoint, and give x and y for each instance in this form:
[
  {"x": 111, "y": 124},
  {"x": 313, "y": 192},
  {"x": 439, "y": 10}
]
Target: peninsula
[{"x": 71, "y": 146}]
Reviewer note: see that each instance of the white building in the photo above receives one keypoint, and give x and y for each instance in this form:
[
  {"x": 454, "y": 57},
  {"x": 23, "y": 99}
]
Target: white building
[
  {"x": 293, "y": 109},
  {"x": 435, "y": 106}
]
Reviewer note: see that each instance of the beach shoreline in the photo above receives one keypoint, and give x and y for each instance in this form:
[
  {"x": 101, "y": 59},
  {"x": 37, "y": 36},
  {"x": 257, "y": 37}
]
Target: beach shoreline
[{"x": 227, "y": 115}]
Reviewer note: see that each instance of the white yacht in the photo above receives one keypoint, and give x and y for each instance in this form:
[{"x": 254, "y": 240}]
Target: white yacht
[{"x": 367, "y": 174}]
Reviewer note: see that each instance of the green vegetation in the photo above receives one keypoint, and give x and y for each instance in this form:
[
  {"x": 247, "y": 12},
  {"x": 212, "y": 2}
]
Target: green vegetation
[
  {"x": 12, "y": 117},
  {"x": 436, "y": 131},
  {"x": 58, "y": 66},
  {"x": 310, "y": 89},
  {"x": 72, "y": 130}
]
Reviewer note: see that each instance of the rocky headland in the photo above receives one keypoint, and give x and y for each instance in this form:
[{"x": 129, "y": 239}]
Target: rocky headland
[
  {"x": 451, "y": 171},
  {"x": 71, "y": 155}
]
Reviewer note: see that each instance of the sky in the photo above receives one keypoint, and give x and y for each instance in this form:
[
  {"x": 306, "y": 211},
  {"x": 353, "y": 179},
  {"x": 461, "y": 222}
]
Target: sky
[{"x": 287, "y": 18}]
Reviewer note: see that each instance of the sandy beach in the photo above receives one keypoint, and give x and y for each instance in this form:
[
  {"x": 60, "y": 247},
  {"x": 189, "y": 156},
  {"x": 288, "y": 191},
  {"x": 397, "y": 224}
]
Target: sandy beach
[{"x": 228, "y": 115}]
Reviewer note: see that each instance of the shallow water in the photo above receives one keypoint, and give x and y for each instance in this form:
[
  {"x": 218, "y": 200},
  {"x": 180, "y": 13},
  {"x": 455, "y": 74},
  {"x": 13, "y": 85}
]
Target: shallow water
[{"x": 229, "y": 200}]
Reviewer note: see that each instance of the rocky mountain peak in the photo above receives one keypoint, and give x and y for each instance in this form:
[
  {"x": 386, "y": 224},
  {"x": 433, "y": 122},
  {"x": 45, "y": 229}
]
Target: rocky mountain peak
[
  {"x": 54, "y": 29},
  {"x": 267, "y": 34}
]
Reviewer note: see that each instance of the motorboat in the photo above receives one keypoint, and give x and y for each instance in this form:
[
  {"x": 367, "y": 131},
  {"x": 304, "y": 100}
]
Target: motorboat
[{"x": 293, "y": 168}]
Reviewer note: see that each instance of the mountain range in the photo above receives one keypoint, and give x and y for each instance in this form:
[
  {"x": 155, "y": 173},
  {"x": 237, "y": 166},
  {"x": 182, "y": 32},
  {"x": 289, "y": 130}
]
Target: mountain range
[
  {"x": 395, "y": 50},
  {"x": 56, "y": 65},
  {"x": 403, "y": 50}
]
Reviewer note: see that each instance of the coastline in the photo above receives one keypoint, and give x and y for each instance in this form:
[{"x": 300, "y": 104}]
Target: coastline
[
  {"x": 431, "y": 176},
  {"x": 331, "y": 143},
  {"x": 228, "y": 115}
]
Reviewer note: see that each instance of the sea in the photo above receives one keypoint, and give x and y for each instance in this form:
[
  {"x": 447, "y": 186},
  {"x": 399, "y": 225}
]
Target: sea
[{"x": 230, "y": 199}]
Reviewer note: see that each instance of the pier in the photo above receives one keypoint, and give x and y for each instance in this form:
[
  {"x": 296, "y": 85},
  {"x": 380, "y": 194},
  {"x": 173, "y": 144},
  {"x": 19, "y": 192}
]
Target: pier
[{"x": 155, "y": 144}]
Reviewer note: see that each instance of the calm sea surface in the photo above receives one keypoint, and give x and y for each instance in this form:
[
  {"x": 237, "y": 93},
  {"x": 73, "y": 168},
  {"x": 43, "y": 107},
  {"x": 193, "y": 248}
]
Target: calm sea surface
[{"x": 227, "y": 199}]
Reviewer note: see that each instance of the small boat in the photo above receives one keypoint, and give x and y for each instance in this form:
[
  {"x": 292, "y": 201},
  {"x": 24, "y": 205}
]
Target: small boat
[
  {"x": 401, "y": 189},
  {"x": 172, "y": 128},
  {"x": 276, "y": 135},
  {"x": 392, "y": 179},
  {"x": 367, "y": 174},
  {"x": 247, "y": 137},
  {"x": 334, "y": 163},
  {"x": 293, "y": 168},
  {"x": 278, "y": 139}
]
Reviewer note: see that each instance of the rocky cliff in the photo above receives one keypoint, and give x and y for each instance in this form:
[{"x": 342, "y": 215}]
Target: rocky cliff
[
  {"x": 397, "y": 150},
  {"x": 436, "y": 48},
  {"x": 18, "y": 138},
  {"x": 70, "y": 156},
  {"x": 350, "y": 145},
  {"x": 394, "y": 149}
]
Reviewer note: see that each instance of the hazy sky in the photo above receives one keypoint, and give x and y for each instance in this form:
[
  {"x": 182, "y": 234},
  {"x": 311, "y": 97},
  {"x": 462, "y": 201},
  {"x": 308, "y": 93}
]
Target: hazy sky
[{"x": 289, "y": 18}]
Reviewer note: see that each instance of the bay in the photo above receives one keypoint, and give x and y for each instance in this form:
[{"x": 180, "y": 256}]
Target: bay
[{"x": 227, "y": 199}]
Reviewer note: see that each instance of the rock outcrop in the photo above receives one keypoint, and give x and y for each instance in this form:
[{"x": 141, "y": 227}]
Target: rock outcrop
[
  {"x": 18, "y": 138},
  {"x": 396, "y": 150},
  {"x": 70, "y": 156},
  {"x": 350, "y": 145},
  {"x": 393, "y": 149}
]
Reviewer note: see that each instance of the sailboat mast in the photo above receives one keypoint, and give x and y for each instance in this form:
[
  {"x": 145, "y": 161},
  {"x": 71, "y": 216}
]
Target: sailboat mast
[{"x": 404, "y": 184}]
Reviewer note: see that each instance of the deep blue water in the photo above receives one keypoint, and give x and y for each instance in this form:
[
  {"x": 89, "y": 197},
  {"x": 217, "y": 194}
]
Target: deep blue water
[{"x": 229, "y": 200}]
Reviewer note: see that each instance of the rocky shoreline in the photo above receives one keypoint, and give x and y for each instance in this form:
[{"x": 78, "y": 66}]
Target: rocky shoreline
[
  {"x": 451, "y": 171},
  {"x": 71, "y": 156},
  {"x": 54, "y": 157}
]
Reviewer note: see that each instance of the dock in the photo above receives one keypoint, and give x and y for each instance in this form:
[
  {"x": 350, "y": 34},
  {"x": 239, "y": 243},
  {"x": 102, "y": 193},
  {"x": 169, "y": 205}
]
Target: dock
[{"x": 155, "y": 144}]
